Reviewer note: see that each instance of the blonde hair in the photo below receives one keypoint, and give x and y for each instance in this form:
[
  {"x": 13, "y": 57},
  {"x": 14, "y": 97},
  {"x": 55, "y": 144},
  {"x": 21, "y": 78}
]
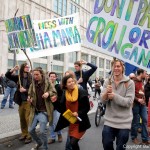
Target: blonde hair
[{"x": 121, "y": 63}]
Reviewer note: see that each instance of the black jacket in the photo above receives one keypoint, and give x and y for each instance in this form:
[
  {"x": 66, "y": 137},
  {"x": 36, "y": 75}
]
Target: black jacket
[
  {"x": 86, "y": 75},
  {"x": 83, "y": 108},
  {"x": 147, "y": 92},
  {"x": 15, "y": 78},
  {"x": 10, "y": 83}
]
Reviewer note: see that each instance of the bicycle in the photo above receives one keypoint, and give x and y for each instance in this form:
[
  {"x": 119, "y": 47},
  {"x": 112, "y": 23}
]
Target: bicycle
[{"x": 100, "y": 111}]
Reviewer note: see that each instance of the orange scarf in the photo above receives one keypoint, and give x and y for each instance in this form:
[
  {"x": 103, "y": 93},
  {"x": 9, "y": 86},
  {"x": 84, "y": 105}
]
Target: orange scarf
[{"x": 72, "y": 97}]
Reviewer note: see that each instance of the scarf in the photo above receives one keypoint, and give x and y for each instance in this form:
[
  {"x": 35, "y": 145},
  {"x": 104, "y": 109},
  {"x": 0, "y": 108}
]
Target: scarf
[{"x": 72, "y": 97}]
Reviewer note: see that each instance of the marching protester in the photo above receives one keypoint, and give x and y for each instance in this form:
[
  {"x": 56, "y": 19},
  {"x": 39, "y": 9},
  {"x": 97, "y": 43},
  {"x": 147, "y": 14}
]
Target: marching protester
[
  {"x": 20, "y": 98},
  {"x": 97, "y": 87},
  {"x": 9, "y": 92},
  {"x": 75, "y": 99},
  {"x": 41, "y": 111},
  {"x": 132, "y": 76},
  {"x": 2, "y": 83},
  {"x": 118, "y": 95},
  {"x": 56, "y": 114},
  {"x": 147, "y": 91},
  {"x": 72, "y": 74},
  {"x": 139, "y": 108},
  {"x": 85, "y": 74}
]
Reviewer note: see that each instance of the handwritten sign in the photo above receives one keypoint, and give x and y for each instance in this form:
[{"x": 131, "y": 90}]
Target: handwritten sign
[
  {"x": 121, "y": 28},
  {"x": 55, "y": 36},
  {"x": 20, "y": 32}
]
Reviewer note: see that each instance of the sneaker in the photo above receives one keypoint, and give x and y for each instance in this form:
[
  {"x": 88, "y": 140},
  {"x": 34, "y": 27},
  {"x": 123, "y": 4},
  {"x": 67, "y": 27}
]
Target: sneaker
[
  {"x": 12, "y": 107},
  {"x": 60, "y": 139},
  {"x": 51, "y": 141},
  {"x": 146, "y": 142},
  {"x": 136, "y": 141},
  {"x": 27, "y": 141},
  {"x": 22, "y": 138}
]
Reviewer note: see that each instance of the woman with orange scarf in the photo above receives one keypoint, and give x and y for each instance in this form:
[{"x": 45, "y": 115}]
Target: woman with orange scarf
[{"x": 75, "y": 99}]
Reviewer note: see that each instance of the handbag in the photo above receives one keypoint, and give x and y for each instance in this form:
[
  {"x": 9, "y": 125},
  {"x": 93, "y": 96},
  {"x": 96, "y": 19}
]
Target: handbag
[{"x": 17, "y": 98}]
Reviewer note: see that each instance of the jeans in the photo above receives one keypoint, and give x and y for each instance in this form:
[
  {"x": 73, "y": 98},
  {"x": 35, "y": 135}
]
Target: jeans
[
  {"x": 56, "y": 115},
  {"x": 42, "y": 119},
  {"x": 11, "y": 92},
  {"x": 141, "y": 110},
  {"x": 68, "y": 144},
  {"x": 108, "y": 137}
]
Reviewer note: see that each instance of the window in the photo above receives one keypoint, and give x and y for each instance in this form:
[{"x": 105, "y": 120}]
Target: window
[
  {"x": 59, "y": 57},
  {"x": 21, "y": 62},
  {"x": 10, "y": 63},
  {"x": 93, "y": 60},
  {"x": 101, "y": 62},
  {"x": 43, "y": 66},
  {"x": 107, "y": 74},
  {"x": 60, "y": 7},
  {"x": 101, "y": 74},
  {"x": 72, "y": 69},
  {"x": 108, "y": 64},
  {"x": 73, "y": 8},
  {"x": 93, "y": 76},
  {"x": 57, "y": 68},
  {"x": 84, "y": 57},
  {"x": 72, "y": 57},
  {"x": 77, "y": 1}
]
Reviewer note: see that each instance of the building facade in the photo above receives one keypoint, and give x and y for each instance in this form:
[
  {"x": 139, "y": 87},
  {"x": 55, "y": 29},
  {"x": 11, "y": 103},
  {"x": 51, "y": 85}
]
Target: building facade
[{"x": 47, "y": 9}]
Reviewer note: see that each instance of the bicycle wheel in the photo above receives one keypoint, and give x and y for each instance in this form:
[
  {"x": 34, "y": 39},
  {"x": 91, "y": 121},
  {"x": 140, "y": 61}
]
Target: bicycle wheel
[{"x": 98, "y": 116}]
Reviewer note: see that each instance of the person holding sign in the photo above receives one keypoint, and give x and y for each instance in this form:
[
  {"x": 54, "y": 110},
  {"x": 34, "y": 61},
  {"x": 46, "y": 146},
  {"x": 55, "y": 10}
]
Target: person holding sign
[
  {"x": 118, "y": 97},
  {"x": 83, "y": 76},
  {"x": 73, "y": 107},
  {"x": 23, "y": 80}
]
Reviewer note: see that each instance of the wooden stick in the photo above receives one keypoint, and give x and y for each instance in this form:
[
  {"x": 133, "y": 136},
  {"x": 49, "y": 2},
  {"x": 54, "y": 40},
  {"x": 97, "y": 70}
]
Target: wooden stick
[
  {"x": 19, "y": 80},
  {"x": 111, "y": 75}
]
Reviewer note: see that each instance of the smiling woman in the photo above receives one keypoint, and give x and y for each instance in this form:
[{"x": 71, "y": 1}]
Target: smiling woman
[{"x": 76, "y": 100}]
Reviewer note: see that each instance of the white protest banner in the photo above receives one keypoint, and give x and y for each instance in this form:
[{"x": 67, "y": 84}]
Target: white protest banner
[
  {"x": 55, "y": 36},
  {"x": 20, "y": 32},
  {"x": 121, "y": 28}
]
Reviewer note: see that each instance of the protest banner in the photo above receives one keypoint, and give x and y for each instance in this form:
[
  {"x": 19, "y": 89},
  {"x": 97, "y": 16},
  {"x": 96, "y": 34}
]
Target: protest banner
[
  {"x": 20, "y": 32},
  {"x": 121, "y": 29},
  {"x": 55, "y": 36}
]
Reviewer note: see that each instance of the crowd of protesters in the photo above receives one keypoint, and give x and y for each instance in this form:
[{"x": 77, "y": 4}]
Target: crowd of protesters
[{"x": 42, "y": 100}]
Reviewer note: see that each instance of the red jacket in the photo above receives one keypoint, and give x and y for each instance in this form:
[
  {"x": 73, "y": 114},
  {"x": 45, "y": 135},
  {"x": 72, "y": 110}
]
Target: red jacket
[{"x": 139, "y": 86}]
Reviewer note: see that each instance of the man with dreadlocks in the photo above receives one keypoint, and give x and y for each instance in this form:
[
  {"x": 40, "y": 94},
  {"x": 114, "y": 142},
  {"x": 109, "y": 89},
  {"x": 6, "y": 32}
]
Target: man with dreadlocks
[
  {"x": 39, "y": 95},
  {"x": 22, "y": 91}
]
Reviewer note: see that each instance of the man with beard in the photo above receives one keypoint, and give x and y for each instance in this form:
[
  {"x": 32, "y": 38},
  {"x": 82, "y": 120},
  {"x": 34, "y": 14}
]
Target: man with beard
[{"x": 139, "y": 108}]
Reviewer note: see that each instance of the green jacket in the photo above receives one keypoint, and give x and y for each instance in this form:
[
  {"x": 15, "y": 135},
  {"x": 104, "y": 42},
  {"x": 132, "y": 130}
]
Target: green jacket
[{"x": 49, "y": 106}]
